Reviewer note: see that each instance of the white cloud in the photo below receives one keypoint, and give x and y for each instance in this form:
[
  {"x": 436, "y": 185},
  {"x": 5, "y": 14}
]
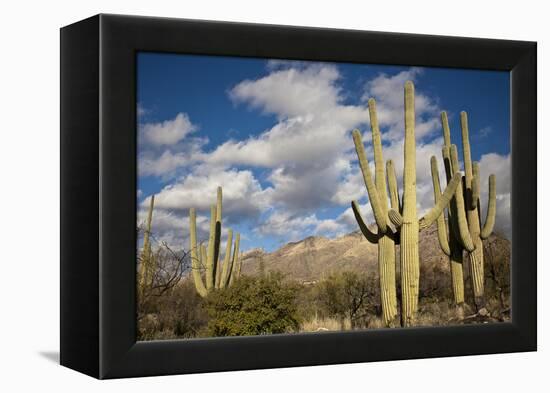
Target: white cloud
[
  {"x": 500, "y": 166},
  {"x": 243, "y": 196},
  {"x": 312, "y": 91},
  {"x": 168, "y": 132},
  {"x": 389, "y": 95}
]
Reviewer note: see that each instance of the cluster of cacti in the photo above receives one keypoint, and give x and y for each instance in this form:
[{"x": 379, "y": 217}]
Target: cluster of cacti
[
  {"x": 147, "y": 263},
  {"x": 464, "y": 231},
  {"x": 404, "y": 217},
  {"x": 217, "y": 274}
]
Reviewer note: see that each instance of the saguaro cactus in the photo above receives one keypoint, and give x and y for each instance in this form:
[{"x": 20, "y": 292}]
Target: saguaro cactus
[
  {"x": 147, "y": 260},
  {"x": 448, "y": 240},
  {"x": 384, "y": 237},
  {"x": 408, "y": 221},
  {"x": 455, "y": 237},
  {"x": 217, "y": 273},
  {"x": 472, "y": 206}
]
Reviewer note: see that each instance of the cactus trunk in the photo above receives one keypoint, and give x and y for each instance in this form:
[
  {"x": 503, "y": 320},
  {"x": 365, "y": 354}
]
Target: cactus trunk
[
  {"x": 410, "y": 266},
  {"x": 235, "y": 264},
  {"x": 197, "y": 254},
  {"x": 457, "y": 276}
]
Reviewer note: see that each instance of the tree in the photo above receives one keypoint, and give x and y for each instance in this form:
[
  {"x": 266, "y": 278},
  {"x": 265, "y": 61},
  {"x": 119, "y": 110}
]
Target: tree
[{"x": 166, "y": 267}]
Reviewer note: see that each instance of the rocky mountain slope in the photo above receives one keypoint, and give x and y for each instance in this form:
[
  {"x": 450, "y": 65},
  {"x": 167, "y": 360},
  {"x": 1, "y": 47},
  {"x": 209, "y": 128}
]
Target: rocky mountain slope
[{"x": 315, "y": 257}]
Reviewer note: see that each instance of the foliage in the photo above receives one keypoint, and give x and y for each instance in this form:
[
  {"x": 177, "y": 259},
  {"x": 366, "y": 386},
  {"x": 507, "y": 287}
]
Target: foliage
[
  {"x": 347, "y": 295},
  {"x": 178, "y": 313},
  {"x": 253, "y": 306}
]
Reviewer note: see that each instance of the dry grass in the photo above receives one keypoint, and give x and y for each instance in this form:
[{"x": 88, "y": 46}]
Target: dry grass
[{"x": 318, "y": 324}]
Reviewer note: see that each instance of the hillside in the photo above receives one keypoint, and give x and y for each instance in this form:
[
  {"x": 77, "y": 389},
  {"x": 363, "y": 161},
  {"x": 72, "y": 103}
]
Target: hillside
[{"x": 315, "y": 257}]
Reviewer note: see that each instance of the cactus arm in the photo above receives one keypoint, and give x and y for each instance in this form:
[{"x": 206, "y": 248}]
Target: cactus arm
[
  {"x": 217, "y": 233},
  {"x": 449, "y": 168},
  {"x": 379, "y": 172},
  {"x": 446, "y": 129},
  {"x": 409, "y": 173},
  {"x": 442, "y": 234},
  {"x": 468, "y": 168},
  {"x": 475, "y": 186},
  {"x": 211, "y": 260},
  {"x": 218, "y": 274},
  {"x": 219, "y": 205},
  {"x": 195, "y": 262},
  {"x": 379, "y": 215},
  {"x": 491, "y": 209},
  {"x": 446, "y": 197},
  {"x": 369, "y": 235},
  {"x": 226, "y": 260},
  {"x": 395, "y": 217},
  {"x": 392, "y": 184},
  {"x": 235, "y": 260},
  {"x": 462, "y": 222},
  {"x": 239, "y": 264}
]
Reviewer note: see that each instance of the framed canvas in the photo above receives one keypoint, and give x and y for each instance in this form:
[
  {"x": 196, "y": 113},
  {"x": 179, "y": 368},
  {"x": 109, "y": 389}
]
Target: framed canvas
[{"x": 225, "y": 203}]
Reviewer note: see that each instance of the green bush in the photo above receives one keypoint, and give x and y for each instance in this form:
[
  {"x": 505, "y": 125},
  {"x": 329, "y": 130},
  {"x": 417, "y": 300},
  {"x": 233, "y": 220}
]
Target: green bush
[{"x": 253, "y": 306}]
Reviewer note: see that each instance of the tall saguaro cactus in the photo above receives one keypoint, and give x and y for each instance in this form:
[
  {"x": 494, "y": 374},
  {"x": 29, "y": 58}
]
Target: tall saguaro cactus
[
  {"x": 472, "y": 206},
  {"x": 384, "y": 237},
  {"x": 408, "y": 221},
  {"x": 147, "y": 260},
  {"x": 217, "y": 273}
]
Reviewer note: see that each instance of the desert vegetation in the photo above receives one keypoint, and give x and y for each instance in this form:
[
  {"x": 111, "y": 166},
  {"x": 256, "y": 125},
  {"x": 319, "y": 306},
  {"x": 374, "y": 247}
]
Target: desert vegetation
[{"x": 443, "y": 268}]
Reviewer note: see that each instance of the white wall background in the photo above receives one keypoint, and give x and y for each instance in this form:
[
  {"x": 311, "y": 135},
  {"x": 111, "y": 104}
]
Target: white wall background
[{"x": 29, "y": 197}]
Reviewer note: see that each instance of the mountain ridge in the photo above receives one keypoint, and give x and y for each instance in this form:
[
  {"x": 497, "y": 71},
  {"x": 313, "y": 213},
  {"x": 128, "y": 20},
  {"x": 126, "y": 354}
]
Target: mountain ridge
[{"x": 315, "y": 257}]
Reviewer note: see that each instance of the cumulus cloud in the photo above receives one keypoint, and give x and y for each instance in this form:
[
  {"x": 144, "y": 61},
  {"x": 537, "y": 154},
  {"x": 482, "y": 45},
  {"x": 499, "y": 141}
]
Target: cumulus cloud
[
  {"x": 166, "y": 146},
  {"x": 389, "y": 95},
  {"x": 243, "y": 196},
  {"x": 169, "y": 132},
  {"x": 306, "y": 150},
  {"x": 313, "y": 90},
  {"x": 500, "y": 166}
]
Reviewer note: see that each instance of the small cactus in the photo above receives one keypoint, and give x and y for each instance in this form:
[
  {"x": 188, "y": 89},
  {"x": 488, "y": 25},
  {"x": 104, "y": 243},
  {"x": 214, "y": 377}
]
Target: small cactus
[
  {"x": 147, "y": 267},
  {"x": 217, "y": 273}
]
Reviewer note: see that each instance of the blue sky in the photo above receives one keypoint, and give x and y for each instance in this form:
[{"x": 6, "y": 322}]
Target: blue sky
[{"x": 276, "y": 135}]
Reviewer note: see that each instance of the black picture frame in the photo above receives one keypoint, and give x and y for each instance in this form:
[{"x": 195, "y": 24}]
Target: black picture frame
[{"x": 98, "y": 195}]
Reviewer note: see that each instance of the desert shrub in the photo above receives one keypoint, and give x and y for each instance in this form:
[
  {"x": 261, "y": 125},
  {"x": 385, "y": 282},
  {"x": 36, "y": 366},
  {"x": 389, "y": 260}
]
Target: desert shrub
[
  {"x": 435, "y": 282},
  {"x": 307, "y": 302},
  {"x": 253, "y": 306},
  {"x": 348, "y": 295},
  {"x": 178, "y": 313},
  {"x": 497, "y": 275}
]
